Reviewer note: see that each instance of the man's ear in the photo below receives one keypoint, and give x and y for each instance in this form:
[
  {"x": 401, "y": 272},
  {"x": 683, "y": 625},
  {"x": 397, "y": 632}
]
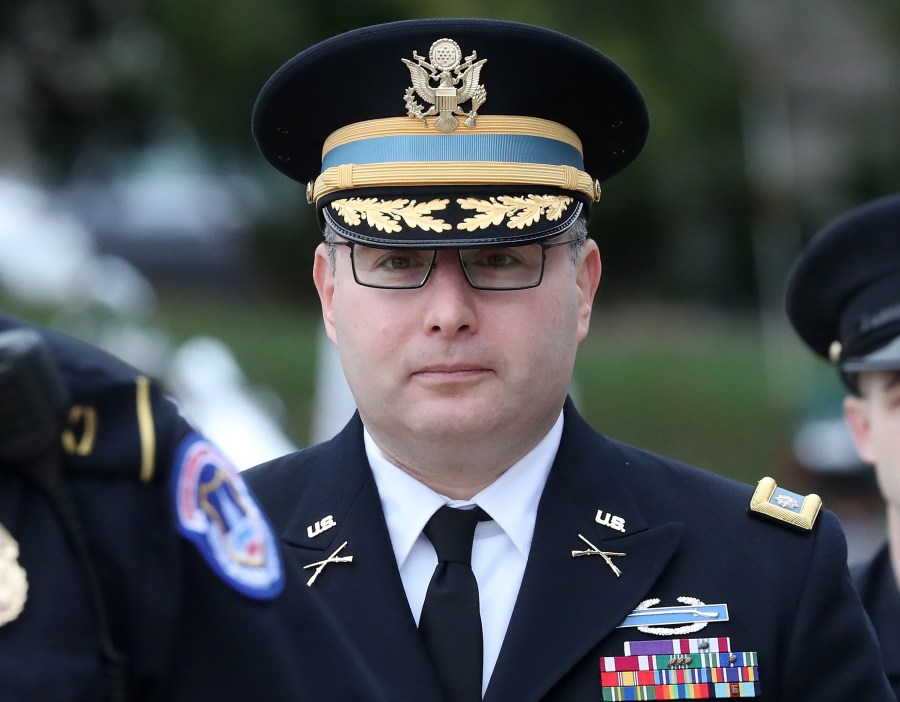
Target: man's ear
[
  {"x": 587, "y": 279},
  {"x": 856, "y": 412},
  {"x": 323, "y": 277}
]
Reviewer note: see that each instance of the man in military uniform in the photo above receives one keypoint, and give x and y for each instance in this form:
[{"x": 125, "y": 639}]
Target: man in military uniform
[
  {"x": 474, "y": 535},
  {"x": 843, "y": 298},
  {"x": 134, "y": 563}
]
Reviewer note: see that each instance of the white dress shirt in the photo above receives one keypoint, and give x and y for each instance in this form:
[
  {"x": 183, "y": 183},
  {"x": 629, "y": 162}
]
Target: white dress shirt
[{"x": 501, "y": 546}]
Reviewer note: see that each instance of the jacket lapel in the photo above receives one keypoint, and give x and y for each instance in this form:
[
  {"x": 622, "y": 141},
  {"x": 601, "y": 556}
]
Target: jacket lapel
[
  {"x": 568, "y": 604},
  {"x": 366, "y": 594}
]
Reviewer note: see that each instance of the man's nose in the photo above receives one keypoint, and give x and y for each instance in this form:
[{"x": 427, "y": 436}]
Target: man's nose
[{"x": 450, "y": 299}]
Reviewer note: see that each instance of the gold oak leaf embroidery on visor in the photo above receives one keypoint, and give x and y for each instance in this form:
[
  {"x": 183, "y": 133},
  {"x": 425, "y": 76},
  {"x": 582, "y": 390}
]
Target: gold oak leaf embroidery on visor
[
  {"x": 386, "y": 215},
  {"x": 521, "y": 211}
]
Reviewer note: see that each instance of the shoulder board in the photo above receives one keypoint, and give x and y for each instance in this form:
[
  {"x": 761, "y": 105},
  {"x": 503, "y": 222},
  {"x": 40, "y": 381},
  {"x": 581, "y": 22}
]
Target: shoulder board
[
  {"x": 111, "y": 417},
  {"x": 798, "y": 511}
]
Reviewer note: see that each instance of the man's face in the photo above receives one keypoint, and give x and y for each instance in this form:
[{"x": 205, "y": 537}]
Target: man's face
[
  {"x": 448, "y": 365},
  {"x": 874, "y": 420}
]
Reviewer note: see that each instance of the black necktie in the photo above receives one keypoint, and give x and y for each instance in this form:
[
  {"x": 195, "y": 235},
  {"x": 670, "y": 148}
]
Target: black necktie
[{"x": 451, "y": 623}]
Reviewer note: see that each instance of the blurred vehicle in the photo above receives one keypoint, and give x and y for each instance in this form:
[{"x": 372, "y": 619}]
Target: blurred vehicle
[{"x": 180, "y": 219}]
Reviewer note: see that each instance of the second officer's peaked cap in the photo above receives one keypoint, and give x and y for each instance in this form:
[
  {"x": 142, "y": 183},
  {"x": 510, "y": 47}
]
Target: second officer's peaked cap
[
  {"x": 843, "y": 294},
  {"x": 450, "y": 132}
]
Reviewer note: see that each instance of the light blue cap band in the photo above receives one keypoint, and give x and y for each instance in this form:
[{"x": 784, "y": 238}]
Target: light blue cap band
[{"x": 502, "y": 148}]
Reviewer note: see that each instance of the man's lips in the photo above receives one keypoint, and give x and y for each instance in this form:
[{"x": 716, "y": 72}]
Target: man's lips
[{"x": 442, "y": 372}]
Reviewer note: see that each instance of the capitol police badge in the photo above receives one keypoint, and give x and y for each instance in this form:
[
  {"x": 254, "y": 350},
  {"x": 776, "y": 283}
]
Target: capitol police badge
[
  {"x": 216, "y": 511},
  {"x": 13, "y": 581}
]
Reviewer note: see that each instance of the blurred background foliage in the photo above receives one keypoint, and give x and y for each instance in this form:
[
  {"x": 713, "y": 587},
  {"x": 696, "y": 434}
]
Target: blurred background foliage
[{"x": 768, "y": 117}]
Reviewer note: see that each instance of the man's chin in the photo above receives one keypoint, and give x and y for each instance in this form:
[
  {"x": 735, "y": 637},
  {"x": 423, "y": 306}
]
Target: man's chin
[{"x": 454, "y": 416}]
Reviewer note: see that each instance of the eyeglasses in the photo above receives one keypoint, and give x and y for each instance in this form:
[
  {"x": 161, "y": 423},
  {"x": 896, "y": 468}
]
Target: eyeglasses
[{"x": 485, "y": 268}]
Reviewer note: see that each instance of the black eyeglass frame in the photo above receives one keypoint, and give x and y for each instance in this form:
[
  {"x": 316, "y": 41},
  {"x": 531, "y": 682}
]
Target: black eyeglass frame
[{"x": 543, "y": 244}]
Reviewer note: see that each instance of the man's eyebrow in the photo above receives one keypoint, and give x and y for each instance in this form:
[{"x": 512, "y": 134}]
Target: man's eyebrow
[{"x": 892, "y": 380}]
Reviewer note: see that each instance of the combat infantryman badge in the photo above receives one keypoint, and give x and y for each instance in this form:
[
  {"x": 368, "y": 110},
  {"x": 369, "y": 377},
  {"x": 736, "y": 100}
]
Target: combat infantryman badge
[
  {"x": 692, "y": 616},
  {"x": 457, "y": 82},
  {"x": 13, "y": 581}
]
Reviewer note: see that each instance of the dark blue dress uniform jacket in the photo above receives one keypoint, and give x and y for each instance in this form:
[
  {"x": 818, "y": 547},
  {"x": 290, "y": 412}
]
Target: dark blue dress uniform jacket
[
  {"x": 881, "y": 598},
  {"x": 184, "y": 631},
  {"x": 687, "y": 533}
]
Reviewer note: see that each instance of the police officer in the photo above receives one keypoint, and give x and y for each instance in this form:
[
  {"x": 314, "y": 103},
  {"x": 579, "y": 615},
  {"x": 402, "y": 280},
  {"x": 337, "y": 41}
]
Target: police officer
[
  {"x": 476, "y": 538},
  {"x": 843, "y": 298},
  {"x": 134, "y": 562}
]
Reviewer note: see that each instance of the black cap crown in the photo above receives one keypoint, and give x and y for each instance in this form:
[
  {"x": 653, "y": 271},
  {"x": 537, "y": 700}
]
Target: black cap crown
[{"x": 843, "y": 295}]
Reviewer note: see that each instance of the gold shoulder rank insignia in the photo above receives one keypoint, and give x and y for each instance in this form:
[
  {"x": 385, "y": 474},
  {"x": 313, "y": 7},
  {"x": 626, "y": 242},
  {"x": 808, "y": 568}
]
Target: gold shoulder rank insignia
[{"x": 798, "y": 511}]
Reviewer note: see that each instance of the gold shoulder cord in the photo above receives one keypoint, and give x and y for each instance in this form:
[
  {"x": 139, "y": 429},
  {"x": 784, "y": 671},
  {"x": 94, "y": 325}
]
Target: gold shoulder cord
[{"x": 146, "y": 429}]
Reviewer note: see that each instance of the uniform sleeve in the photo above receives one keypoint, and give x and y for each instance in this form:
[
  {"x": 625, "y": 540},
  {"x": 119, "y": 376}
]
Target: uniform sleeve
[{"x": 832, "y": 653}]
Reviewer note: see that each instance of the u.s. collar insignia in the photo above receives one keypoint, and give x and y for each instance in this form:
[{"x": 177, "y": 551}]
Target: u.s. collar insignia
[
  {"x": 13, "y": 581},
  {"x": 798, "y": 511},
  {"x": 216, "y": 511},
  {"x": 610, "y": 520},
  {"x": 457, "y": 82},
  {"x": 324, "y": 524}
]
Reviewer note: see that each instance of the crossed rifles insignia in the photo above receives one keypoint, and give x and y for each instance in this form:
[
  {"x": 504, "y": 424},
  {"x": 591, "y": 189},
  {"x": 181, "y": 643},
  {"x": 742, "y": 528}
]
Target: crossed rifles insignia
[
  {"x": 320, "y": 565},
  {"x": 605, "y": 555},
  {"x": 456, "y": 82}
]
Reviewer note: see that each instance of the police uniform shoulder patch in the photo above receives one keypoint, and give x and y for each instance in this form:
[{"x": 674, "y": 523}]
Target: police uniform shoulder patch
[
  {"x": 798, "y": 511},
  {"x": 215, "y": 510}
]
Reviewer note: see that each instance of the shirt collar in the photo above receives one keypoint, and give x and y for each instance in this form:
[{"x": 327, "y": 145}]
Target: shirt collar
[{"x": 511, "y": 500}]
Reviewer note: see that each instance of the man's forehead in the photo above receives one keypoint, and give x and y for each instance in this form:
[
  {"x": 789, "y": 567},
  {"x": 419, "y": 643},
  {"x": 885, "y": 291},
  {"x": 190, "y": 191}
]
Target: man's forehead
[{"x": 890, "y": 379}]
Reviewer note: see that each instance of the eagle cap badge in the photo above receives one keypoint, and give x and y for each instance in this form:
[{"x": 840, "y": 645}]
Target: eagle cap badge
[{"x": 445, "y": 81}]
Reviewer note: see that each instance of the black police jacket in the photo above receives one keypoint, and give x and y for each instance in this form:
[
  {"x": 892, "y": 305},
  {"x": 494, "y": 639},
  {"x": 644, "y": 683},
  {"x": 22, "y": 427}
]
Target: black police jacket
[{"x": 187, "y": 602}]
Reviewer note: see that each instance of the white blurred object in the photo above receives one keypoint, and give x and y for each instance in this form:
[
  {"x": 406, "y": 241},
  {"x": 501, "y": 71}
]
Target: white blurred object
[
  {"x": 214, "y": 395},
  {"x": 333, "y": 404},
  {"x": 43, "y": 248},
  {"x": 117, "y": 285},
  {"x": 826, "y": 446},
  {"x": 48, "y": 257}
]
